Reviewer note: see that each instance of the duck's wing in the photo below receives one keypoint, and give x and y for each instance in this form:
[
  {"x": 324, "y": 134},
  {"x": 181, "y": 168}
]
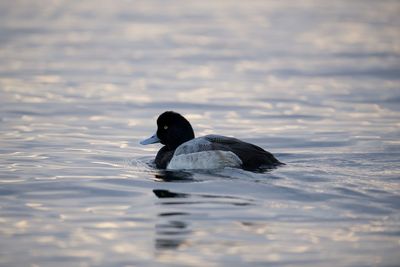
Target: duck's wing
[
  {"x": 205, "y": 143},
  {"x": 252, "y": 156},
  {"x": 220, "y": 139},
  {"x": 200, "y": 153},
  {"x": 193, "y": 146}
]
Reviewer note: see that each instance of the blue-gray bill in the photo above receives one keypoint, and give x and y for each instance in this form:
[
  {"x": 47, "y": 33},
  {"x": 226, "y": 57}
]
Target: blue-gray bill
[{"x": 151, "y": 140}]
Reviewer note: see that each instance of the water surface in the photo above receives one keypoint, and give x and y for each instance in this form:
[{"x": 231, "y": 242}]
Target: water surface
[{"x": 315, "y": 83}]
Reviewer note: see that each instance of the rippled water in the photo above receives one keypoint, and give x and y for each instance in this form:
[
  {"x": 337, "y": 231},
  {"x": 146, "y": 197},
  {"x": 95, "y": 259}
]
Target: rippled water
[{"x": 316, "y": 83}]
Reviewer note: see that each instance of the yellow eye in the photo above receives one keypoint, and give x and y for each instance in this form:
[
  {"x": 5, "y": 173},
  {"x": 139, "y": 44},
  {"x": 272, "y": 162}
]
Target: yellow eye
[{"x": 165, "y": 127}]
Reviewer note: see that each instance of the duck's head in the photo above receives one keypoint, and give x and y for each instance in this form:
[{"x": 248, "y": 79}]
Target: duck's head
[{"x": 172, "y": 130}]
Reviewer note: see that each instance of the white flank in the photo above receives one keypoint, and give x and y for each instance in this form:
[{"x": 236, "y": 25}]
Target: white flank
[{"x": 215, "y": 159}]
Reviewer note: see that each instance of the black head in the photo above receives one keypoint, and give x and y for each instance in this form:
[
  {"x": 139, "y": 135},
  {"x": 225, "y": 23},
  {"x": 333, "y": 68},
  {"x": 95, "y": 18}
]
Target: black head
[{"x": 173, "y": 129}]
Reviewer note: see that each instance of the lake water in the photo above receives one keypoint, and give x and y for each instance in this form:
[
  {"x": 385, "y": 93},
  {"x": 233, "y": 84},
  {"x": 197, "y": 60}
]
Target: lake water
[{"x": 317, "y": 83}]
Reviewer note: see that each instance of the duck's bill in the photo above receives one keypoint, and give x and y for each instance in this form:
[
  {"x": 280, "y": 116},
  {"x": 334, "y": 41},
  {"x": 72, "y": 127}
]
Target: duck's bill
[{"x": 151, "y": 140}]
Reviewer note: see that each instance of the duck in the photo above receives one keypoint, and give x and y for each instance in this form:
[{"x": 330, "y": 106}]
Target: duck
[{"x": 183, "y": 151}]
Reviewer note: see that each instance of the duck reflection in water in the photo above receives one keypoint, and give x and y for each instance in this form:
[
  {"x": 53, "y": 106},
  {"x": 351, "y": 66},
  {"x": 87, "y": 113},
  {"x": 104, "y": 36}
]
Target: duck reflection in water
[
  {"x": 171, "y": 231},
  {"x": 173, "y": 228},
  {"x": 171, "y": 234},
  {"x": 174, "y": 176}
]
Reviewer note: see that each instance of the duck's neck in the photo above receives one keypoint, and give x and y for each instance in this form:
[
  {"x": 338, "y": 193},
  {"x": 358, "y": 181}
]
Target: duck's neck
[{"x": 163, "y": 157}]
